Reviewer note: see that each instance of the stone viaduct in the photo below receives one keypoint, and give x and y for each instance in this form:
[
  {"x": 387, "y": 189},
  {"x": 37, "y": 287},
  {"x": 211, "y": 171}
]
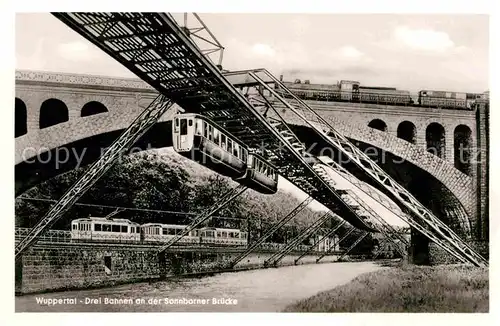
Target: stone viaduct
[{"x": 439, "y": 155}]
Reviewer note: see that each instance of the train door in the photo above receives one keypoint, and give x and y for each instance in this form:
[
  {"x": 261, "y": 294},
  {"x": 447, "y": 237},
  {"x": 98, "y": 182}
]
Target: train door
[{"x": 183, "y": 133}]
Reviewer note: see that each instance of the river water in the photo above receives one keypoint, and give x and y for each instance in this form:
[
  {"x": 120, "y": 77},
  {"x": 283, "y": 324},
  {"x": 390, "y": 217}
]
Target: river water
[{"x": 263, "y": 290}]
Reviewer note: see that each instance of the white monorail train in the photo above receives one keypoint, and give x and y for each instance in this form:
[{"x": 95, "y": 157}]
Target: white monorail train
[
  {"x": 100, "y": 229},
  {"x": 202, "y": 140}
]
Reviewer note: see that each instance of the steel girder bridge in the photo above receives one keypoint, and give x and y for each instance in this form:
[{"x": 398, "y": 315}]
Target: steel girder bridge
[{"x": 169, "y": 57}]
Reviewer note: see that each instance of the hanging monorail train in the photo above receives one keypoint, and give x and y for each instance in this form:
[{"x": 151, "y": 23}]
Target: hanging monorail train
[{"x": 202, "y": 140}]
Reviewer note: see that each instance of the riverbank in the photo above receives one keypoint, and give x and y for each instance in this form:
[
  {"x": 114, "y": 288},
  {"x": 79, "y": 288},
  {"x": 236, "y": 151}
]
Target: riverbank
[{"x": 406, "y": 288}]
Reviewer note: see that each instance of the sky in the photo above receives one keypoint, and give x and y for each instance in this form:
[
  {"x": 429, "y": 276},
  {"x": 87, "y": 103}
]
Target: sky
[{"x": 413, "y": 52}]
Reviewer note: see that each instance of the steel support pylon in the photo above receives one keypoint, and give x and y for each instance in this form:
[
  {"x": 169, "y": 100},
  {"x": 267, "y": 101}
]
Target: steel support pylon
[
  {"x": 315, "y": 243},
  {"x": 273, "y": 229},
  {"x": 277, "y": 257},
  {"x": 208, "y": 213},
  {"x": 136, "y": 129}
]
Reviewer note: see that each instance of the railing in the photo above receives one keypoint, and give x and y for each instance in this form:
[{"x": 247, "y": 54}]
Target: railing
[
  {"x": 49, "y": 236},
  {"x": 64, "y": 236}
]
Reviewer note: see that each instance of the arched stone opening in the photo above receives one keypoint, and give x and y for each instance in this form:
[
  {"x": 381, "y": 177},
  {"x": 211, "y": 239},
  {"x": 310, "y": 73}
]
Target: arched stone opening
[
  {"x": 435, "y": 139},
  {"x": 407, "y": 131},
  {"x": 21, "y": 117},
  {"x": 462, "y": 148},
  {"x": 92, "y": 108},
  {"x": 378, "y": 124},
  {"x": 53, "y": 112}
]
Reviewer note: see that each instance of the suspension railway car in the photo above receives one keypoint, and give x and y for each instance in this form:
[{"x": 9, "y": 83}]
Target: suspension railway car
[
  {"x": 99, "y": 229},
  {"x": 202, "y": 140}
]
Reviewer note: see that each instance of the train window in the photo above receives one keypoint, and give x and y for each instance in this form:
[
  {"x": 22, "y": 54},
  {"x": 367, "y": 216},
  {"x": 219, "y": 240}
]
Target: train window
[
  {"x": 124, "y": 229},
  {"x": 224, "y": 234},
  {"x": 177, "y": 122},
  {"x": 229, "y": 145},
  {"x": 198, "y": 127},
  {"x": 205, "y": 130},
  {"x": 184, "y": 129},
  {"x": 97, "y": 227},
  {"x": 115, "y": 228},
  {"x": 210, "y": 132},
  {"x": 74, "y": 226},
  {"x": 216, "y": 136},
  {"x": 219, "y": 234},
  {"x": 190, "y": 123},
  {"x": 106, "y": 228},
  {"x": 171, "y": 231},
  {"x": 236, "y": 151},
  {"x": 243, "y": 154},
  {"x": 223, "y": 141}
]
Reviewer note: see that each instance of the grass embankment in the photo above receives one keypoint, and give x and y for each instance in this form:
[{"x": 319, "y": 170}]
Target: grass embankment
[{"x": 406, "y": 288}]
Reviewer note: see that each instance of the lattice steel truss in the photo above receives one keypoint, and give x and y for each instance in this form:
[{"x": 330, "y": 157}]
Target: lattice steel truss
[
  {"x": 199, "y": 32},
  {"x": 419, "y": 216},
  {"x": 155, "y": 48},
  {"x": 365, "y": 209}
]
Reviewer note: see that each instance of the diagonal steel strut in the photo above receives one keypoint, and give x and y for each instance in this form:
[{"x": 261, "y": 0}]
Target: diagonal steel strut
[
  {"x": 420, "y": 213},
  {"x": 136, "y": 129},
  {"x": 395, "y": 210},
  {"x": 340, "y": 240},
  {"x": 273, "y": 229},
  {"x": 315, "y": 243},
  {"x": 208, "y": 213},
  {"x": 276, "y": 258},
  {"x": 355, "y": 243}
]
